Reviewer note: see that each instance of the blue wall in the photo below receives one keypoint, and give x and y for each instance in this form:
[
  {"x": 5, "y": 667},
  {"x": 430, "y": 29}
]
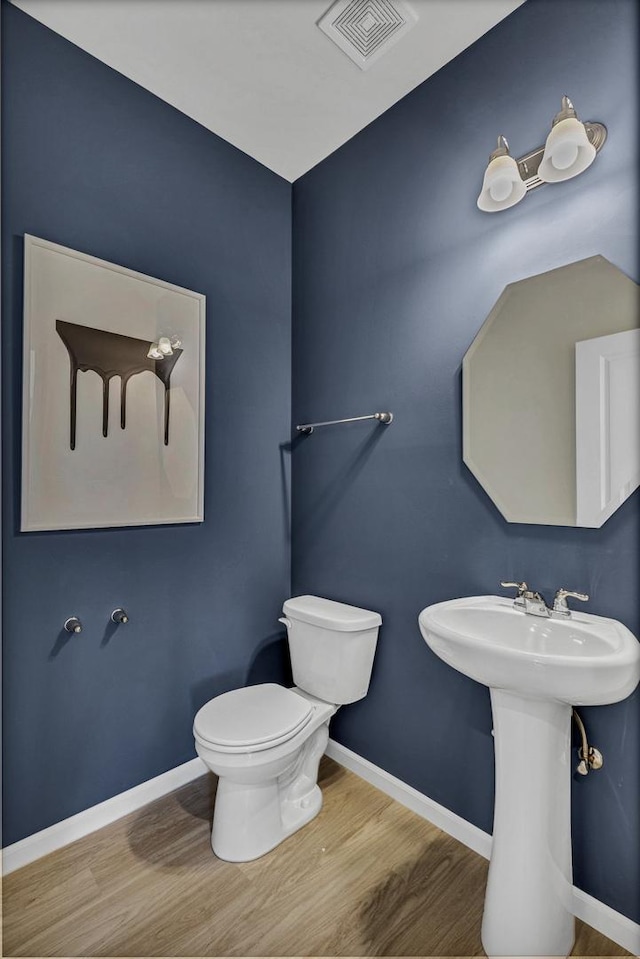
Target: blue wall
[
  {"x": 395, "y": 271},
  {"x": 96, "y": 163}
]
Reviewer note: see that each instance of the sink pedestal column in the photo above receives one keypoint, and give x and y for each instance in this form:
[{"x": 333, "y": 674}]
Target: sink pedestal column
[{"x": 528, "y": 905}]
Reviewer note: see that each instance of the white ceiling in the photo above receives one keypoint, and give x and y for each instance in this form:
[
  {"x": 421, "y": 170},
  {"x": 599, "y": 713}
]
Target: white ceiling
[{"x": 259, "y": 73}]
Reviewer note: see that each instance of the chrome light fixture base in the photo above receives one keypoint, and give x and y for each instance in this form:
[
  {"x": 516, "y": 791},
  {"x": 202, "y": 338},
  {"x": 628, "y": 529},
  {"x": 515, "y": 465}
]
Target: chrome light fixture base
[{"x": 528, "y": 164}]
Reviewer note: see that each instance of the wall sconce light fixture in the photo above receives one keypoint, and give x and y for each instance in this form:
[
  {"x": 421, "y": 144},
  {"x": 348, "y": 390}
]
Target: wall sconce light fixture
[{"x": 570, "y": 148}]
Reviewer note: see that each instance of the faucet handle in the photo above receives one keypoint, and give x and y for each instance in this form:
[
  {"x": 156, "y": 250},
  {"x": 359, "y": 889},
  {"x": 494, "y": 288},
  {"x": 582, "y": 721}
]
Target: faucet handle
[
  {"x": 521, "y": 587},
  {"x": 560, "y": 600}
]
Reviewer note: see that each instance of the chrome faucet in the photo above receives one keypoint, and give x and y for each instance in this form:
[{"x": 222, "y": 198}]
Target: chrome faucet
[
  {"x": 529, "y": 600},
  {"x": 560, "y": 607},
  {"x": 532, "y": 602}
]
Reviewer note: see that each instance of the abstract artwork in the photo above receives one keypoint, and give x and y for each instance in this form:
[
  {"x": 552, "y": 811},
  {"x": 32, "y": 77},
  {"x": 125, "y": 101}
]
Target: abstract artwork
[
  {"x": 113, "y": 397},
  {"x": 108, "y": 355}
]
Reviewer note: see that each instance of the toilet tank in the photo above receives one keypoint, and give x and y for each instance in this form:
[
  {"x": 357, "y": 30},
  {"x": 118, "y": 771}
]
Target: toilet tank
[{"x": 332, "y": 646}]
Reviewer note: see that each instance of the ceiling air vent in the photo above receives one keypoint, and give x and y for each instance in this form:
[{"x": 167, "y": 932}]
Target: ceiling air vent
[{"x": 365, "y": 29}]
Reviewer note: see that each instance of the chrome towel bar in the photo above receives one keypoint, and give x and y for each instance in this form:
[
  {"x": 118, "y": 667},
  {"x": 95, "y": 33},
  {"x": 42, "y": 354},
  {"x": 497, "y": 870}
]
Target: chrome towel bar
[{"x": 385, "y": 418}]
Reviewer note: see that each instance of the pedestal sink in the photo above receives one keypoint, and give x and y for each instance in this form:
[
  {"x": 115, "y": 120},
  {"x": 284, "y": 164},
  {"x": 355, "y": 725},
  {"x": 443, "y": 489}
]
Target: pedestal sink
[{"x": 537, "y": 669}]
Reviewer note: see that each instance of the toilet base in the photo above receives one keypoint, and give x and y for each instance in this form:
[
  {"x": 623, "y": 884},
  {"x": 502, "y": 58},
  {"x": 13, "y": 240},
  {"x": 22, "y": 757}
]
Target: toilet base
[
  {"x": 261, "y": 830},
  {"x": 249, "y": 820}
]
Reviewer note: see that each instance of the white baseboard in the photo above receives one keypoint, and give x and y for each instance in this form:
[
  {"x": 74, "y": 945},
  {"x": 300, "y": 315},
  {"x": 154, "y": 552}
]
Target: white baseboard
[
  {"x": 610, "y": 923},
  {"x": 62, "y": 833},
  {"x": 443, "y": 818},
  {"x": 607, "y": 921}
]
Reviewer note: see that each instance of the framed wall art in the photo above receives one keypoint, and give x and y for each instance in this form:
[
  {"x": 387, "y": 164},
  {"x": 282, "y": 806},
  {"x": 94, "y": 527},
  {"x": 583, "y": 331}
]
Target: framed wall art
[{"x": 113, "y": 395}]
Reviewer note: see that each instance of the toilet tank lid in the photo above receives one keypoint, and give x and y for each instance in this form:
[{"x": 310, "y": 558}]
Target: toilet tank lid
[{"x": 330, "y": 614}]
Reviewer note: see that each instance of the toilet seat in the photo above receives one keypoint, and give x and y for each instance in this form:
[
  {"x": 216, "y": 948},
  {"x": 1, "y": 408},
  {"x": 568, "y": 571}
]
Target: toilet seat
[{"x": 252, "y": 719}]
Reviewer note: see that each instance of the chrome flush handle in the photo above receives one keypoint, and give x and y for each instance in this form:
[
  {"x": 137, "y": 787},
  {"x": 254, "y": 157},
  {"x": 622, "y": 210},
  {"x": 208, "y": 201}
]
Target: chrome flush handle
[{"x": 560, "y": 601}]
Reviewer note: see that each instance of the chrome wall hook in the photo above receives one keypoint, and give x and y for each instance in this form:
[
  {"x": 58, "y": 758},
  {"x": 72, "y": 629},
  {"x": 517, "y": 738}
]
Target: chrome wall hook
[
  {"x": 73, "y": 625},
  {"x": 119, "y": 615}
]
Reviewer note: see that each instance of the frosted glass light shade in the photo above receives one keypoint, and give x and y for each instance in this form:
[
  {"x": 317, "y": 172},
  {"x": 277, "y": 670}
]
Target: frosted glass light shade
[
  {"x": 502, "y": 186},
  {"x": 567, "y": 151}
]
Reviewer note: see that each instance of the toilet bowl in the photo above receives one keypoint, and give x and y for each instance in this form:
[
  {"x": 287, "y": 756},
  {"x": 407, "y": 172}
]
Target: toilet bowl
[
  {"x": 265, "y": 742},
  {"x": 266, "y": 790}
]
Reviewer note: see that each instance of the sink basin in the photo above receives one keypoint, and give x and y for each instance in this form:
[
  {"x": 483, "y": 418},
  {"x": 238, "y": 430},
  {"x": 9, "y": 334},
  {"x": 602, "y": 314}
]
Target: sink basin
[
  {"x": 537, "y": 668},
  {"x": 584, "y": 660}
]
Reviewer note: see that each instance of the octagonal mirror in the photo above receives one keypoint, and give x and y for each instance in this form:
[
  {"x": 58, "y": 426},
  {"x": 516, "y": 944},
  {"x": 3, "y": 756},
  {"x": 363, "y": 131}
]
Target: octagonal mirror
[{"x": 551, "y": 396}]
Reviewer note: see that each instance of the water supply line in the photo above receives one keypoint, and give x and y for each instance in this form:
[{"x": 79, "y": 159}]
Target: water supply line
[{"x": 590, "y": 757}]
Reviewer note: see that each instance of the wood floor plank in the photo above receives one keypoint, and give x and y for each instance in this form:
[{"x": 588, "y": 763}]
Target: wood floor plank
[
  {"x": 40, "y": 904},
  {"x": 367, "y": 877}
]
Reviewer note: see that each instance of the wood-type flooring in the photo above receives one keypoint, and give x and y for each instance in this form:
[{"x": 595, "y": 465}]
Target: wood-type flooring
[{"x": 366, "y": 878}]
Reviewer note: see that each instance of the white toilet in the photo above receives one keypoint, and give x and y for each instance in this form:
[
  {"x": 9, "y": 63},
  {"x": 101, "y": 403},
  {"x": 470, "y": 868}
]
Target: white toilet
[{"x": 265, "y": 742}]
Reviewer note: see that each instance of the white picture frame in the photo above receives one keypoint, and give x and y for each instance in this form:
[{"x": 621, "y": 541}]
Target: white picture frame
[{"x": 110, "y": 437}]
